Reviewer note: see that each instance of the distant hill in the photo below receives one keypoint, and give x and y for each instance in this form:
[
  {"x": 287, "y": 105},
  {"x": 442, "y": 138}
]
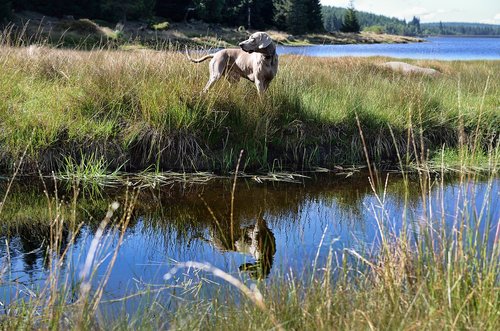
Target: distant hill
[
  {"x": 333, "y": 16},
  {"x": 461, "y": 28}
]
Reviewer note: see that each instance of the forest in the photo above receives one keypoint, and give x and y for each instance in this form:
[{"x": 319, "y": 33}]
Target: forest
[
  {"x": 333, "y": 18},
  {"x": 294, "y": 16}
]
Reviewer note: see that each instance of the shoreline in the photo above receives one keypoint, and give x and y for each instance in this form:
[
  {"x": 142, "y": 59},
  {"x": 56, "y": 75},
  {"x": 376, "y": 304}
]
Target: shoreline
[{"x": 88, "y": 33}]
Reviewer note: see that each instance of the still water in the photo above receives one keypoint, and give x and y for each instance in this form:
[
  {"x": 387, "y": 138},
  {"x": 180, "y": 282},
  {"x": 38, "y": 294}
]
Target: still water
[
  {"x": 277, "y": 228},
  {"x": 438, "y": 48}
]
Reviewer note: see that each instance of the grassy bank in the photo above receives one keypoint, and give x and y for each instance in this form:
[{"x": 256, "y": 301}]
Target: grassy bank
[{"x": 143, "y": 109}]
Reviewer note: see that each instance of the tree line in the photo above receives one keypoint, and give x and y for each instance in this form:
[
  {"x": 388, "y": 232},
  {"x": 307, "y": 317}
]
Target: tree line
[
  {"x": 472, "y": 29},
  {"x": 295, "y": 16},
  {"x": 334, "y": 18}
]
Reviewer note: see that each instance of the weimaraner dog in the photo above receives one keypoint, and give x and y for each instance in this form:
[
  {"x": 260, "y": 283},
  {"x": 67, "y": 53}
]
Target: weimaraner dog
[{"x": 256, "y": 61}]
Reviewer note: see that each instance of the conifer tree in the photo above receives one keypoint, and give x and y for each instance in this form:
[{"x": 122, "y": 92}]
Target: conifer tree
[
  {"x": 281, "y": 11},
  {"x": 350, "y": 23},
  {"x": 176, "y": 10},
  {"x": 315, "y": 16},
  {"x": 210, "y": 10},
  {"x": 298, "y": 21},
  {"x": 416, "y": 23},
  {"x": 5, "y": 8}
]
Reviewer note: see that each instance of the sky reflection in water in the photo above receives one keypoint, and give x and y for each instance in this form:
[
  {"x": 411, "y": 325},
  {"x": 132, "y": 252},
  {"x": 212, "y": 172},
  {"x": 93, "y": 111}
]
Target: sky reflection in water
[{"x": 280, "y": 226}]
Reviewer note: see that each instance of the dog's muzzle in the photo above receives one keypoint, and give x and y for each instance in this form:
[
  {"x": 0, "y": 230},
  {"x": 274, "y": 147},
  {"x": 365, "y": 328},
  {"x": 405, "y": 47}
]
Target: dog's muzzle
[{"x": 243, "y": 47}]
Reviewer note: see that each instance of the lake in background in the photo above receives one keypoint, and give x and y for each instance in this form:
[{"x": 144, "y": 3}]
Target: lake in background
[{"x": 438, "y": 48}]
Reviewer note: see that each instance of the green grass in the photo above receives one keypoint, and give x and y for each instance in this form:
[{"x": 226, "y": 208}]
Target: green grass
[
  {"x": 143, "y": 108},
  {"x": 86, "y": 114}
]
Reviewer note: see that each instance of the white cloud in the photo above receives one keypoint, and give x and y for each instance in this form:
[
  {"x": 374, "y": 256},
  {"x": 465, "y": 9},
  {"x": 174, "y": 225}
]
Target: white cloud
[
  {"x": 336, "y": 3},
  {"x": 428, "y": 10},
  {"x": 494, "y": 20}
]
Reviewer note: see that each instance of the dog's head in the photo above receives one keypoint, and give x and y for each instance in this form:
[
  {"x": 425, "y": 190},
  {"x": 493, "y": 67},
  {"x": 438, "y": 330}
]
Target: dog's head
[{"x": 256, "y": 42}]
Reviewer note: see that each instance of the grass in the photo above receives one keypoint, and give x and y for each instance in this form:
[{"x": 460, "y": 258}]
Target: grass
[
  {"x": 429, "y": 275},
  {"x": 136, "y": 109},
  {"x": 88, "y": 114}
]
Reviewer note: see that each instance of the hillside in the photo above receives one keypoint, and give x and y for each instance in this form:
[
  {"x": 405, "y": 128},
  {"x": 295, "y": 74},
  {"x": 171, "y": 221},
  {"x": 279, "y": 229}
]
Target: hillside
[
  {"x": 460, "y": 28},
  {"x": 332, "y": 18}
]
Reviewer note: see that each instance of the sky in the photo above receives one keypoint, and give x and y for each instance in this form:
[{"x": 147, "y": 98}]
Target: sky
[{"x": 478, "y": 11}]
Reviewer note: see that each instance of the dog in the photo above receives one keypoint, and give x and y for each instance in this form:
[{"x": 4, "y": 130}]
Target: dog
[
  {"x": 253, "y": 238},
  {"x": 256, "y": 61}
]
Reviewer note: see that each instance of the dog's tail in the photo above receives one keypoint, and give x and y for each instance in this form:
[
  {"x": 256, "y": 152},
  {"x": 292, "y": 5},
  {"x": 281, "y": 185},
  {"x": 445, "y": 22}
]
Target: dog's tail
[{"x": 206, "y": 57}]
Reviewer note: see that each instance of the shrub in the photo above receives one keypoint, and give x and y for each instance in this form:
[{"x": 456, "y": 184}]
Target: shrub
[
  {"x": 378, "y": 29},
  {"x": 161, "y": 26}
]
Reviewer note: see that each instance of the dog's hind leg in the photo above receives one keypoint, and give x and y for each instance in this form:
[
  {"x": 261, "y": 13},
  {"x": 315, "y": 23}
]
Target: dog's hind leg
[
  {"x": 216, "y": 69},
  {"x": 211, "y": 82}
]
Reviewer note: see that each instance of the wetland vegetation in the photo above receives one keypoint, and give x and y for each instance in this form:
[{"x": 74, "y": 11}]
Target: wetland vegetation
[
  {"x": 329, "y": 253},
  {"x": 406, "y": 250},
  {"x": 137, "y": 110}
]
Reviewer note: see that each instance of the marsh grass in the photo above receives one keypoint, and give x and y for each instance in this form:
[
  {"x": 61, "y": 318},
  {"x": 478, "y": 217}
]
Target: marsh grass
[
  {"x": 97, "y": 110},
  {"x": 430, "y": 274},
  {"x": 143, "y": 108}
]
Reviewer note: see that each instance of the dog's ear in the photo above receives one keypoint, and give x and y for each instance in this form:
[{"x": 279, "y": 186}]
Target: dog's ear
[{"x": 265, "y": 41}]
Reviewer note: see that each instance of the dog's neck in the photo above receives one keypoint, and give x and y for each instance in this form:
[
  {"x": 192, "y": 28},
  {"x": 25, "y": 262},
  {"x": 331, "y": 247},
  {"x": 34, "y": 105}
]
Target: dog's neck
[{"x": 269, "y": 52}]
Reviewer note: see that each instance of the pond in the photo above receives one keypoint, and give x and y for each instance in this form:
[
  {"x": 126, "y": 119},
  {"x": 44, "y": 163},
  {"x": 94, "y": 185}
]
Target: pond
[
  {"x": 438, "y": 48},
  {"x": 278, "y": 228}
]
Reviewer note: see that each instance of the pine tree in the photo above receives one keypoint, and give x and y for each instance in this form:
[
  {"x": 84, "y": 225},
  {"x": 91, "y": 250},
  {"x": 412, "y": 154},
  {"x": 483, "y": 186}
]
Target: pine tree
[
  {"x": 297, "y": 20},
  {"x": 351, "y": 23},
  {"x": 176, "y": 10},
  {"x": 441, "y": 28},
  {"x": 315, "y": 16},
  {"x": 5, "y": 9},
  {"x": 416, "y": 23},
  {"x": 210, "y": 10},
  {"x": 281, "y": 11},
  {"x": 266, "y": 12},
  {"x": 298, "y": 16}
]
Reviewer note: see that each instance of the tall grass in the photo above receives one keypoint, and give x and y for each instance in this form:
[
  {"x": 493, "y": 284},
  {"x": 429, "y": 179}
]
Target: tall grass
[
  {"x": 143, "y": 108},
  {"x": 429, "y": 274},
  {"x": 428, "y": 277}
]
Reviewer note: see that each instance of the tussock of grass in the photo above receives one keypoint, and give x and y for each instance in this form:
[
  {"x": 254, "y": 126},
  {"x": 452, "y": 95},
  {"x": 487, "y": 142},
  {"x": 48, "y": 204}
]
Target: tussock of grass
[{"x": 142, "y": 108}]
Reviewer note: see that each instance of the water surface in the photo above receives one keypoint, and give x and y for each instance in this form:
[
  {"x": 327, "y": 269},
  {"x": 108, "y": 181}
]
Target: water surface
[
  {"x": 438, "y": 48},
  {"x": 278, "y": 228}
]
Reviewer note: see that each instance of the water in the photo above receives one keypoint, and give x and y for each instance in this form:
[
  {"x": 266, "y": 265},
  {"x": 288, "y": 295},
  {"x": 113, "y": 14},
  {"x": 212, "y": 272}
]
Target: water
[
  {"x": 281, "y": 227},
  {"x": 438, "y": 48}
]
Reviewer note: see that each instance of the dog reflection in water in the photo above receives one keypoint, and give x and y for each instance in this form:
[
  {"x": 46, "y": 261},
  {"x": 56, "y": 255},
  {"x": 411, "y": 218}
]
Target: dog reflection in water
[{"x": 254, "y": 239}]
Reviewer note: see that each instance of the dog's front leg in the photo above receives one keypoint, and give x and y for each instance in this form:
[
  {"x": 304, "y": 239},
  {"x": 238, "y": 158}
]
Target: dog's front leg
[{"x": 261, "y": 86}]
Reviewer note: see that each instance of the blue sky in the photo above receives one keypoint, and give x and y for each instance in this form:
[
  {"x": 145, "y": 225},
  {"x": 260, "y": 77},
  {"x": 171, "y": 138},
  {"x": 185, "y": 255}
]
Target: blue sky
[{"x": 482, "y": 11}]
